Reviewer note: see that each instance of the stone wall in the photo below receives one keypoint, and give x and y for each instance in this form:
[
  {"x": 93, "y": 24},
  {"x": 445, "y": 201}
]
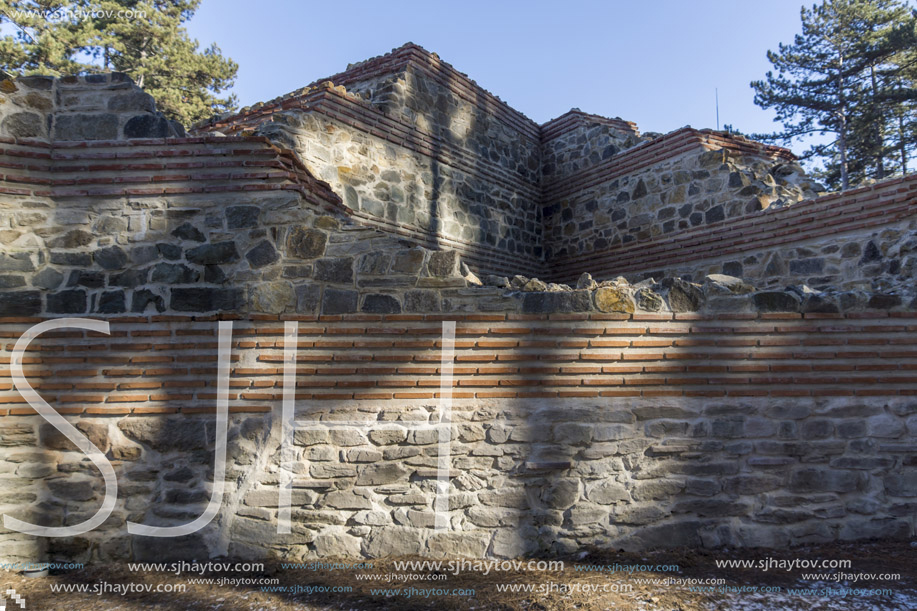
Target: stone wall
[
  {"x": 858, "y": 242},
  {"x": 675, "y": 182},
  {"x": 704, "y": 411},
  {"x": 80, "y": 108},
  {"x": 416, "y": 148},
  {"x": 632, "y": 431},
  {"x": 576, "y": 141}
]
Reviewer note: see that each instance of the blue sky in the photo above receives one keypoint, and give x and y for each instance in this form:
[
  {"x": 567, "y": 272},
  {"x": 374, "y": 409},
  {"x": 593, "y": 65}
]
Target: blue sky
[{"x": 656, "y": 62}]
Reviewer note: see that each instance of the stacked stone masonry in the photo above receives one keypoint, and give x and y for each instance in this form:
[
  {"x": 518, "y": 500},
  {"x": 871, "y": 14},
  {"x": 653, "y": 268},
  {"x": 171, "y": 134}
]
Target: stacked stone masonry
[{"x": 740, "y": 370}]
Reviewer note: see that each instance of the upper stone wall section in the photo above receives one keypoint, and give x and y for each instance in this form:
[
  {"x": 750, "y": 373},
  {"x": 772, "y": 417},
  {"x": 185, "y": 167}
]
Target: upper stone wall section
[
  {"x": 576, "y": 141},
  {"x": 416, "y": 148},
  {"x": 80, "y": 108},
  {"x": 664, "y": 186}
]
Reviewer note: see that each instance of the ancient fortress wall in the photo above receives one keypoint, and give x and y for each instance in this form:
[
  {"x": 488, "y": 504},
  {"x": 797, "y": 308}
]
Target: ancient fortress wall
[
  {"x": 417, "y": 149},
  {"x": 653, "y": 413}
]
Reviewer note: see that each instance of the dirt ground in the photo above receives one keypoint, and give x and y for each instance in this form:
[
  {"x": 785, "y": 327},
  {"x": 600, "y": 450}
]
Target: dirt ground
[{"x": 615, "y": 587}]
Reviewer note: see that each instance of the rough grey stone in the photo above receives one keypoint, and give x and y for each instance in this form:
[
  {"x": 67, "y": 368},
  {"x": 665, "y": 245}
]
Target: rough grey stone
[
  {"x": 544, "y": 303},
  {"x": 901, "y": 484},
  {"x": 306, "y": 243},
  {"x": 213, "y": 254},
  {"x": 111, "y": 302},
  {"x": 683, "y": 296},
  {"x": 172, "y": 273},
  {"x": 561, "y": 494},
  {"x": 166, "y": 434},
  {"x": 338, "y": 301},
  {"x": 242, "y": 217},
  {"x": 776, "y": 301},
  {"x": 444, "y": 263},
  {"x": 393, "y": 541},
  {"x": 649, "y": 300},
  {"x": 387, "y": 473},
  {"x": 262, "y": 254},
  {"x": 24, "y": 125},
  {"x": 408, "y": 261},
  {"x": 187, "y": 231},
  {"x": 72, "y": 239},
  {"x": 71, "y": 490},
  {"x": 308, "y": 298},
  {"x": 421, "y": 301},
  {"x": 272, "y": 297},
  {"x": 206, "y": 299},
  {"x": 86, "y": 127},
  {"x": 381, "y": 304},
  {"x": 142, "y": 299},
  {"x": 48, "y": 278},
  {"x": 823, "y": 480},
  {"x": 20, "y": 303},
  {"x": 67, "y": 302},
  {"x": 135, "y": 100},
  {"x": 147, "y": 126},
  {"x": 338, "y": 270}
]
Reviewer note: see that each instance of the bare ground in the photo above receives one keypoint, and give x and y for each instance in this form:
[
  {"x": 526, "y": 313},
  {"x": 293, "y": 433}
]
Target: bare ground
[{"x": 562, "y": 590}]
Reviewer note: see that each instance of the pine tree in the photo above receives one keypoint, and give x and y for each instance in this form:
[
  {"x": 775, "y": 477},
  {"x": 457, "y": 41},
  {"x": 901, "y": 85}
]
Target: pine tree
[
  {"x": 842, "y": 76},
  {"x": 45, "y": 40},
  {"x": 901, "y": 94},
  {"x": 158, "y": 54},
  {"x": 143, "y": 38}
]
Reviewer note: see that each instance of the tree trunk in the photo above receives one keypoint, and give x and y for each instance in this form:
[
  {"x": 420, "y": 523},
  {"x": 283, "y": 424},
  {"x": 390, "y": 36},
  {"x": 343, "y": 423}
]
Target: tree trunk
[
  {"x": 902, "y": 142},
  {"x": 878, "y": 141},
  {"x": 842, "y": 124}
]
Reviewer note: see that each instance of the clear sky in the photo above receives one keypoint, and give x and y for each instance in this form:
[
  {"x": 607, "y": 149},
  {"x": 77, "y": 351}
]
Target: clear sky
[{"x": 656, "y": 62}]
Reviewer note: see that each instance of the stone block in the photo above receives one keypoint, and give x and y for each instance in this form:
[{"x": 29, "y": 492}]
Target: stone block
[
  {"x": 23, "y": 125},
  {"x": 611, "y": 299},
  {"x": 147, "y": 126},
  {"x": 607, "y": 492},
  {"x": 823, "y": 480},
  {"x": 187, "y": 231},
  {"x": 217, "y": 253},
  {"x": 776, "y": 301},
  {"x": 242, "y": 217},
  {"x": 80, "y": 126},
  {"x": 378, "y": 474},
  {"x": 206, "y": 299},
  {"x": 67, "y": 302},
  {"x": 262, "y": 254},
  {"x": 394, "y": 541},
  {"x": 380, "y": 304},
  {"x": 96, "y": 433},
  {"x": 167, "y": 434},
  {"x": 338, "y": 270},
  {"x": 408, "y": 261},
  {"x": 444, "y": 264},
  {"x": 903, "y": 483},
  {"x": 21, "y": 303}
]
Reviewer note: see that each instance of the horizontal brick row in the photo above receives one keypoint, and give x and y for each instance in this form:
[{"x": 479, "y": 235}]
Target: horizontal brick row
[
  {"x": 359, "y": 115},
  {"x": 444, "y": 74},
  {"x": 573, "y": 119},
  {"x": 119, "y": 168},
  {"x": 865, "y": 354}
]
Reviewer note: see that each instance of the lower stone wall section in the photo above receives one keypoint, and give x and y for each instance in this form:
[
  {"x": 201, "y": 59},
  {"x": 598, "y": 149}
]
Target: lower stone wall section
[{"x": 528, "y": 476}]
